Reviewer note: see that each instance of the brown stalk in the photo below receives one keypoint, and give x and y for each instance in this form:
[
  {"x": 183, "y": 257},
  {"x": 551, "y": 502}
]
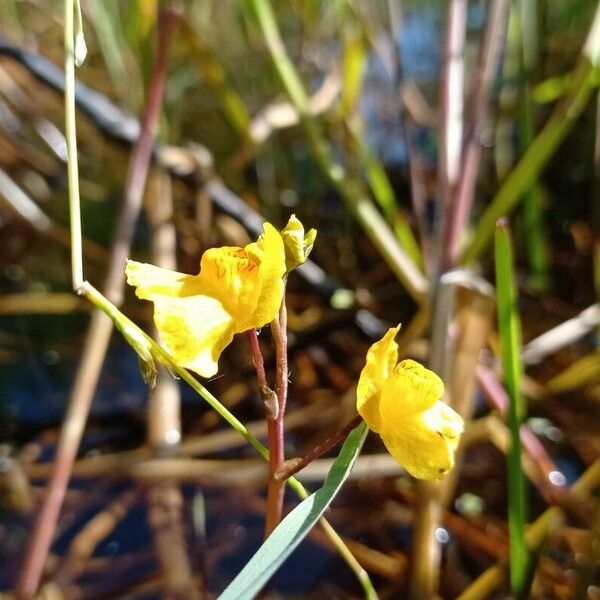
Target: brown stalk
[
  {"x": 165, "y": 499},
  {"x": 100, "y": 329},
  {"x": 474, "y": 302},
  {"x": 471, "y": 158},
  {"x": 292, "y": 466}
]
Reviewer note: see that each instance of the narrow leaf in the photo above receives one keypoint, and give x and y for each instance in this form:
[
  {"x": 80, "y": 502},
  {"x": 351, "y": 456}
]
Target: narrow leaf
[
  {"x": 510, "y": 339},
  {"x": 294, "y": 528}
]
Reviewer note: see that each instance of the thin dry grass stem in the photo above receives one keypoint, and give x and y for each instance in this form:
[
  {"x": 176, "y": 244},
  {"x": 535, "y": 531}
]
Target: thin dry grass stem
[
  {"x": 165, "y": 500},
  {"x": 101, "y": 325},
  {"x": 161, "y": 470},
  {"x": 166, "y": 504},
  {"x": 132, "y": 462},
  {"x": 497, "y": 22},
  {"x": 16, "y": 488},
  {"x": 164, "y": 422},
  {"x": 467, "y": 303},
  {"x": 46, "y": 303},
  {"x": 97, "y": 529},
  {"x": 562, "y": 335}
]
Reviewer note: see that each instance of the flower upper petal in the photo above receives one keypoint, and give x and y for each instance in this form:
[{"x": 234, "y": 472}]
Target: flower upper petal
[
  {"x": 410, "y": 388},
  {"x": 270, "y": 272},
  {"x": 381, "y": 359},
  {"x": 247, "y": 281},
  {"x": 425, "y": 443}
]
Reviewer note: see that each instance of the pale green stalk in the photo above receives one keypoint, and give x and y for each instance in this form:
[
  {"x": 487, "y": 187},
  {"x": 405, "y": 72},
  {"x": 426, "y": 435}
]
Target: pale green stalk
[
  {"x": 383, "y": 193},
  {"x": 71, "y": 140}
]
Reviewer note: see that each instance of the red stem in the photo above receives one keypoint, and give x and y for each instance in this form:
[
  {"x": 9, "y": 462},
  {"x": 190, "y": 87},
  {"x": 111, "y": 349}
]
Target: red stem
[
  {"x": 276, "y": 488},
  {"x": 291, "y": 467}
]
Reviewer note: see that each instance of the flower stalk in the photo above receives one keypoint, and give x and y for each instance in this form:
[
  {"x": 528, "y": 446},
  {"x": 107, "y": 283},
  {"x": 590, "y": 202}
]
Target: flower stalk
[
  {"x": 292, "y": 466},
  {"x": 276, "y": 434}
]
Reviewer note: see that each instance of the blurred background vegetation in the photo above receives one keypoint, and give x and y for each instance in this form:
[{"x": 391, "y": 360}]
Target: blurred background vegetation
[{"x": 374, "y": 74}]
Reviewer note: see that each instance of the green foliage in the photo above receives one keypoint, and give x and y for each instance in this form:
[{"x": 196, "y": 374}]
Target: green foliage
[
  {"x": 296, "y": 526},
  {"x": 510, "y": 339}
]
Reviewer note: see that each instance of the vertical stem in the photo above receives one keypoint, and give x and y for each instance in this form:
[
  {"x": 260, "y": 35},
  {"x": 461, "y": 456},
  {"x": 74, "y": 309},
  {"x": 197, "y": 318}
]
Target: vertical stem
[
  {"x": 101, "y": 327},
  {"x": 71, "y": 139},
  {"x": 165, "y": 499},
  {"x": 494, "y": 35},
  {"x": 596, "y": 207},
  {"x": 274, "y": 432},
  {"x": 257, "y": 357},
  {"x": 276, "y": 488},
  {"x": 451, "y": 129}
]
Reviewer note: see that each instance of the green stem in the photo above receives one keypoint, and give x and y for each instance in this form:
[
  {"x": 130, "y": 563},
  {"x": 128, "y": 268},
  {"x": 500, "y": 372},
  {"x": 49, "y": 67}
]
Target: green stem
[{"x": 71, "y": 140}]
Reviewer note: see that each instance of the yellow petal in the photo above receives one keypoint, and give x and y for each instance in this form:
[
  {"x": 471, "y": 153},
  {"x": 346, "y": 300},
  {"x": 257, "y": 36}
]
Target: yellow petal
[
  {"x": 197, "y": 315},
  {"x": 195, "y": 330},
  {"x": 231, "y": 276},
  {"x": 151, "y": 281},
  {"x": 247, "y": 281},
  {"x": 381, "y": 359},
  {"x": 298, "y": 245},
  {"x": 270, "y": 273},
  {"x": 425, "y": 443},
  {"x": 409, "y": 389}
]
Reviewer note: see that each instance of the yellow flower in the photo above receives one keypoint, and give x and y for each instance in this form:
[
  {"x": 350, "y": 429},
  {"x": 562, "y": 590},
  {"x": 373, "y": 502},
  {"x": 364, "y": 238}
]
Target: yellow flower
[
  {"x": 401, "y": 402},
  {"x": 197, "y": 315}
]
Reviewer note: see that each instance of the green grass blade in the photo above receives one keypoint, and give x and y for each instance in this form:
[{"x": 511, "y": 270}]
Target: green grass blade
[
  {"x": 510, "y": 339},
  {"x": 294, "y": 528},
  {"x": 523, "y": 176}
]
